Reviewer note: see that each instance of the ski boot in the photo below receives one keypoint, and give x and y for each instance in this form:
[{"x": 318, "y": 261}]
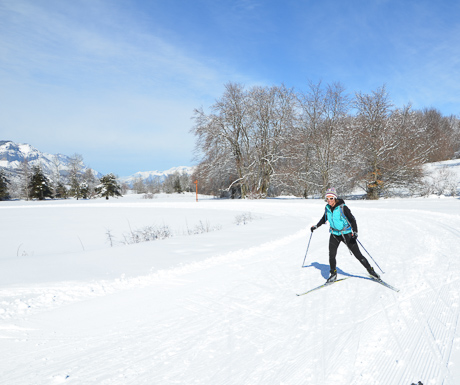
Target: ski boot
[
  {"x": 373, "y": 274},
  {"x": 333, "y": 277}
]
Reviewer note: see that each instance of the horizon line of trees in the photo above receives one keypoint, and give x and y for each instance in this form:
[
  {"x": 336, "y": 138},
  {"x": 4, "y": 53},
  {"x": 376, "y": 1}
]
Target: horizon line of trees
[
  {"x": 177, "y": 182},
  {"x": 31, "y": 183},
  {"x": 267, "y": 141}
]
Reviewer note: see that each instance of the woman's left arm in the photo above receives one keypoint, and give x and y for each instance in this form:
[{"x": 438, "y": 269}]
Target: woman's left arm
[{"x": 351, "y": 219}]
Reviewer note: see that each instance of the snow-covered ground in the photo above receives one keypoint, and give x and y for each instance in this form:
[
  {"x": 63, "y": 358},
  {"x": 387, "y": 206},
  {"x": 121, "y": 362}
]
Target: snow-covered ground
[{"x": 220, "y": 307}]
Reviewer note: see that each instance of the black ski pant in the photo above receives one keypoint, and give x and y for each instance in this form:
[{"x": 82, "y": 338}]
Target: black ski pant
[{"x": 334, "y": 242}]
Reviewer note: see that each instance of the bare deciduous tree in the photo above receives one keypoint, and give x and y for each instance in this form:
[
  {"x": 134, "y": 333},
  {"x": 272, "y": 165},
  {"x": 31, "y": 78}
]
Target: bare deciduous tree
[
  {"x": 139, "y": 186},
  {"x": 76, "y": 175},
  {"x": 373, "y": 138},
  {"x": 25, "y": 178},
  {"x": 225, "y": 130},
  {"x": 270, "y": 140}
]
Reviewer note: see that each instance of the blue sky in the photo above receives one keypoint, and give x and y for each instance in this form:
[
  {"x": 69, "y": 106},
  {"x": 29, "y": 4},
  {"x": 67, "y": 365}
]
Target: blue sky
[{"x": 117, "y": 80}]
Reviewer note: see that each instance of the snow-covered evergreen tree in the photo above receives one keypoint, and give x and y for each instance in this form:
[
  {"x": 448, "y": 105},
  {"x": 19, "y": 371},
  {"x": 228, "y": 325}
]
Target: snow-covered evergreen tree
[
  {"x": 4, "y": 193},
  {"x": 61, "y": 191},
  {"x": 39, "y": 187},
  {"x": 109, "y": 186}
]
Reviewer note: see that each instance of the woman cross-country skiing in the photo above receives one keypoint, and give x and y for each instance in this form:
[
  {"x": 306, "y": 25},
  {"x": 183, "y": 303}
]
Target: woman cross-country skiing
[{"x": 343, "y": 228}]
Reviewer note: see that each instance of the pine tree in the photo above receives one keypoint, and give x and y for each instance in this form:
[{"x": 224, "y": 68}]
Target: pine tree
[
  {"x": 61, "y": 191},
  {"x": 177, "y": 185},
  {"x": 39, "y": 187},
  {"x": 109, "y": 186},
  {"x": 4, "y": 194}
]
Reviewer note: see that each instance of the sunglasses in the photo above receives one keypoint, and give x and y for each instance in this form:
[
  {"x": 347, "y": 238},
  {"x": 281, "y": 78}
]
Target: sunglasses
[{"x": 330, "y": 199}]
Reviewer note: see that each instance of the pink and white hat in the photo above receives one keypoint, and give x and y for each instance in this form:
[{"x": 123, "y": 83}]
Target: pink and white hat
[{"x": 331, "y": 193}]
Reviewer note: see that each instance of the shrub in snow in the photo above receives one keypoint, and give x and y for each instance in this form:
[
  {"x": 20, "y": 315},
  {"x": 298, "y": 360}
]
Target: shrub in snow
[
  {"x": 154, "y": 233},
  {"x": 201, "y": 228},
  {"x": 147, "y": 234},
  {"x": 244, "y": 218},
  {"x": 442, "y": 182},
  {"x": 110, "y": 237},
  {"x": 148, "y": 196}
]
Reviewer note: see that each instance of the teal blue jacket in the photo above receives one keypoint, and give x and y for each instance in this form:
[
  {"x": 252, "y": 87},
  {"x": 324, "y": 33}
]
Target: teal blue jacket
[{"x": 340, "y": 218}]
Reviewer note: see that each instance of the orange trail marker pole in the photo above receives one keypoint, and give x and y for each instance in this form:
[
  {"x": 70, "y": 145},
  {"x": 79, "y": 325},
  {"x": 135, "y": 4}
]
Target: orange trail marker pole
[{"x": 196, "y": 189}]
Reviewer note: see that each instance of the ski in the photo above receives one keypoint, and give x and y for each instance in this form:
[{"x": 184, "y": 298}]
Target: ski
[
  {"x": 321, "y": 286},
  {"x": 383, "y": 283},
  {"x": 379, "y": 280}
]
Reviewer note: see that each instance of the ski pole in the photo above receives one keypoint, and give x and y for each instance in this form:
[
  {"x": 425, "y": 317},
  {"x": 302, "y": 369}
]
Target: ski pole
[
  {"x": 370, "y": 256},
  {"x": 307, "y": 250}
]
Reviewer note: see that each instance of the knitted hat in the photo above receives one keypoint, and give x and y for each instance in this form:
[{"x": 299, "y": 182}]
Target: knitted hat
[{"x": 331, "y": 193}]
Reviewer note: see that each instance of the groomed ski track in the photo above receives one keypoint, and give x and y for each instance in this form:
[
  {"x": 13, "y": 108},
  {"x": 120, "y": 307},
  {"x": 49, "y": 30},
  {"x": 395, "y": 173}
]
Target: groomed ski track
[{"x": 232, "y": 317}]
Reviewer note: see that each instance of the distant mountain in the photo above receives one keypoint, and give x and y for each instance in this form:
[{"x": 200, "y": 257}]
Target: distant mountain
[
  {"x": 151, "y": 176},
  {"x": 13, "y": 154}
]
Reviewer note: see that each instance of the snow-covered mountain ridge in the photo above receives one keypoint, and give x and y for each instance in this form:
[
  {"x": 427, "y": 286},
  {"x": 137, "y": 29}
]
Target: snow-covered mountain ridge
[
  {"x": 148, "y": 176},
  {"x": 12, "y": 155}
]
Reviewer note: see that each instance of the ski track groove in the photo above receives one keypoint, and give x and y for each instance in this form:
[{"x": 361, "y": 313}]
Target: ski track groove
[{"x": 435, "y": 332}]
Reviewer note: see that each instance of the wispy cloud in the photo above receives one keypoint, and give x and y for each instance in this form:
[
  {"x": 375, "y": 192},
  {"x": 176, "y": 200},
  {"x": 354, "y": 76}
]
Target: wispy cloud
[
  {"x": 108, "y": 84},
  {"x": 38, "y": 42}
]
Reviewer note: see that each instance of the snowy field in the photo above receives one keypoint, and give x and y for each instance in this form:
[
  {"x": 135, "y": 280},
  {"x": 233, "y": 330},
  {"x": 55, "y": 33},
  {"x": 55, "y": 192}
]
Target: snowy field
[{"x": 220, "y": 307}]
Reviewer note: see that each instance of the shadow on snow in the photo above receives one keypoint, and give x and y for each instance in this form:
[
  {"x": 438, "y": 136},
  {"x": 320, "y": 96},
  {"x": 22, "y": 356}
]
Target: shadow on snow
[{"x": 324, "y": 269}]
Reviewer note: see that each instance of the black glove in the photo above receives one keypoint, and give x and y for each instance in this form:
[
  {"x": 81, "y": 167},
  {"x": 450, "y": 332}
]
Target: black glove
[
  {"x": 313, "y": 228},
  {"x": 354, "y": 236}
]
